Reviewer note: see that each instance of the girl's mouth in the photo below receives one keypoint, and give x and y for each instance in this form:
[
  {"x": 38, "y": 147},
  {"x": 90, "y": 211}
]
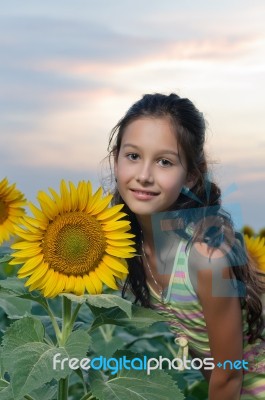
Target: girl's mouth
[{"x": 143, "y": 195}]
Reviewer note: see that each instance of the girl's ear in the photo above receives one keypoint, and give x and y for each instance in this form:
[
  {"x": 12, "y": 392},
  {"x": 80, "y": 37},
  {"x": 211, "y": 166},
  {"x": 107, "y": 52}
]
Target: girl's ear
[{"x": 191, "y": 181}]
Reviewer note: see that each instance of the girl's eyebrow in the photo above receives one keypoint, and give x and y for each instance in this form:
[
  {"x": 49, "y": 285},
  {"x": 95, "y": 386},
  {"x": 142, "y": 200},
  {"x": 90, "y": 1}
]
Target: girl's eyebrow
[{"x": 165, "y": 151}]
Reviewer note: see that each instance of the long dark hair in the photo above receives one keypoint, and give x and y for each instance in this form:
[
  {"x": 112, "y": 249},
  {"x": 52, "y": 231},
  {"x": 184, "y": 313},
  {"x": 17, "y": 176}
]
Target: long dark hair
[{"x": 205, "y": 195}]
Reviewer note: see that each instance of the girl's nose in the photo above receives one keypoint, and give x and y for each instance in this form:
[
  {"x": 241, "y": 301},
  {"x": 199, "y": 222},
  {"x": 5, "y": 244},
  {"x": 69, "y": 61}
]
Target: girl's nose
[{"x": 145, "y": 174}]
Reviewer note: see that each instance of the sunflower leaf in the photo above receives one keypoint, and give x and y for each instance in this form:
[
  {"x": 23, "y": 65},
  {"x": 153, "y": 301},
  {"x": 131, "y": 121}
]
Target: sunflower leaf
[
  {"x": 25, "y": 330},
  {"x": 34, "y": 363},
  {"x": 104, "y": 348},
  {"x": 46, "y": 392},
  {"x": 14, "y": 307},
  {"x": 13, "y": 286},
  {"x": 34, "y": 367},
  {"x": 5, "y": 254},
  {"x": 135, "y": 385},
  {"x": 3, "y": 384},
  {"x": 141, "y": 318},
  {"x": 103, "y": 300},
  {"x": 6, "y": 393},
  {"x": 78, "y": 343},
  {"x": 5, "y": 258}
]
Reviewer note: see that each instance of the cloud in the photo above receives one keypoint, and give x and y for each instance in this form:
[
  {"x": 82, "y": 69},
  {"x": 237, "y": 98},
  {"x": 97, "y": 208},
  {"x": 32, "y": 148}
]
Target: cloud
[{"x": 68, "y": 71}]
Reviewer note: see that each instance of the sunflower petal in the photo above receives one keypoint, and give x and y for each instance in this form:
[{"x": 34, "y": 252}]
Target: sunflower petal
[
  {"x": 79, "y": 286},
  {"x": 110, "y": 212},
  {"x": 70, "y": 284},
  {"x": 115, "y": 226},
  {"x": 31, "y": 252},
  {"x": 120, "y": 243},
  {"x": 106, "y": 277},
  {"x": 94, "y": 200},
  {"x": 115, "y": 263},
  {"x": 37, "y": 274},
  {"x": 102, "y": 204},
  {"x": 59, "y": 286},
  {"x": 96, "y": 282},
  {"x": 31, "y": 263},
  {"x": 66, "y": 200},
  {"x": 57, "y": 199},
  {"x": 89, "y": 284},
  {"x": 73, "y": 196},
  {"x": 84, "y": 191}
]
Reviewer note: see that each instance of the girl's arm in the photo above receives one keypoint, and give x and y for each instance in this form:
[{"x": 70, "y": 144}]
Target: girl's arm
[{"x": 222, "y": 313}]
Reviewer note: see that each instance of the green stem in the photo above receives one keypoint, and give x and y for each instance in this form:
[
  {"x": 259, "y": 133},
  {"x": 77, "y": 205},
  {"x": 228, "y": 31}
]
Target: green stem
[
  {"x": 103, "y": 333},
  {"x": 80, "y": 375},
  {"x": 67, "y": 317},
  {"x": 63, "y": 389},
  {"x": 88, "y": 396},
  {"x": 66, "y": 330},
  {"x": 53, "y": 320},
  {"x": 75, "y": 313},
  {"x": 171, "y": 349},
  {"x": 28, "y": 397},
  {"x": 107, "y": 332}
]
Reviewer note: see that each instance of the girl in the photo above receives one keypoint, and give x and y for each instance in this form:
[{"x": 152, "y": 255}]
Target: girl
[{"x": 191, "y": 265}]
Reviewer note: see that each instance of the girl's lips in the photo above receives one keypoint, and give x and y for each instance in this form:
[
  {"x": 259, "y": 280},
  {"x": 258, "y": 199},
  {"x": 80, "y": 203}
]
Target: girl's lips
[{"x": 143, "y": 195}]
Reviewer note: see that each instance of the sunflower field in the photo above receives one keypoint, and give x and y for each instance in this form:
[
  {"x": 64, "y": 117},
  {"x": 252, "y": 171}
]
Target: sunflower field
[
  {"x": 60, "y": 302},
  {"x": 66, "y": 332}
]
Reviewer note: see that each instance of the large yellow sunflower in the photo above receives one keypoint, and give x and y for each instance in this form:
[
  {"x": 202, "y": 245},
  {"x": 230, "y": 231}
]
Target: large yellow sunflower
[
  {"x": 11, "y": 211},
  {"x": 256, "y": 250},
  {"x": 74, "y": 243}
]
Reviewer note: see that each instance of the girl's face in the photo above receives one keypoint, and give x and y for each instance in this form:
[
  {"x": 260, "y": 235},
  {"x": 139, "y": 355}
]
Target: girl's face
[{"x": 148, "y": 168}]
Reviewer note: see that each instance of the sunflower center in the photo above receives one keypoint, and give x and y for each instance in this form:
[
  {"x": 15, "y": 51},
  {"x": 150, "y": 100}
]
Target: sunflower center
[
  {"x": 3, "y": 211},
  {"x": 74, "y": 243}
]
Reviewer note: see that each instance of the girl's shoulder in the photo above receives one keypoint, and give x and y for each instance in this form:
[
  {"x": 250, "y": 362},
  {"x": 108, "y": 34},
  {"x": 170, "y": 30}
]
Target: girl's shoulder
[{"x": 213, "y": 265}]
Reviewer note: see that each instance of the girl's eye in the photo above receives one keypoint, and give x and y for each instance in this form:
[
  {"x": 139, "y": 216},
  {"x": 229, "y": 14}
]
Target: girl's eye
[
  {"x": 165, "y": 163},
  {"x": 132, "y": 156}
]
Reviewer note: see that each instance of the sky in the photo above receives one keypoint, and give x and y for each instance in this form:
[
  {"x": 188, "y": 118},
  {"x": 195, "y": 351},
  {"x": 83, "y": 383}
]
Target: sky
[{"x": 69, "y": 70}]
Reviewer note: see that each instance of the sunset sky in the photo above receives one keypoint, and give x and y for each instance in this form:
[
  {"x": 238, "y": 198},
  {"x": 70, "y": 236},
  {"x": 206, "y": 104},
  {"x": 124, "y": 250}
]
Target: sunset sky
[{"x": 70, "y": 69}]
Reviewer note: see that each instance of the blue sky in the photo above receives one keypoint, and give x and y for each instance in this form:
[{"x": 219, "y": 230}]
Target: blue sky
[{"x": 69, "y": 70}]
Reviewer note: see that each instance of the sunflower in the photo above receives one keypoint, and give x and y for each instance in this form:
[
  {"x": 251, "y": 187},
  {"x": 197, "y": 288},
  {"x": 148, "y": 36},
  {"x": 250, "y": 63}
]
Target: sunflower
[
  {"x": 74, "y": 242},
  {"x": 256, "y": 250},
  {"x": 11, "y": 211}
]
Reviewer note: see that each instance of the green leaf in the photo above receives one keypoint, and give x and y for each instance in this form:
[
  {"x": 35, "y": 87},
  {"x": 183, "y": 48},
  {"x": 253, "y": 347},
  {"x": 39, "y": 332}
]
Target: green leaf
[
  {"x": 16, "y": 287},
  {"x": 14, "y": 307},
  {"x": 107, "y": 349},
  {"x": 141, "y": 318},
  {"x": 25, "y": 330},
  {"x": 135, "y": 385},
  {"x": 35, "y": 362},
  {"x": 6, "y": 393},
  {"x": 5, "y": 258},
  {"x": 3, "y": 384},
  {"x": 103, "y": 300},
  {"x": 34, "y": 367},
  {"x": 30, "y": 361},
  {"x": 46, "y": 392},
  {"x": 13, "y": 286},
  {"x": 5, "y": 252},
  {"x": 78, "y": 344},
  {"x": 1, "y": 363}
]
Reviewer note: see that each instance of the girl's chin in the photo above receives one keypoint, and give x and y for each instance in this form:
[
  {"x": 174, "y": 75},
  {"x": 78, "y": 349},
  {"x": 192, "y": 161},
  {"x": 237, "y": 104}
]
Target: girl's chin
[{"x": 145, "y": 212}]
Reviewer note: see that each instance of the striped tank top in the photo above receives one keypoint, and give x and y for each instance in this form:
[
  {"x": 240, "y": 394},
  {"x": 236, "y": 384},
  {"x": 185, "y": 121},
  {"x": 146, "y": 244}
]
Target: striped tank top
[{"x": 184, "y": 312}]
